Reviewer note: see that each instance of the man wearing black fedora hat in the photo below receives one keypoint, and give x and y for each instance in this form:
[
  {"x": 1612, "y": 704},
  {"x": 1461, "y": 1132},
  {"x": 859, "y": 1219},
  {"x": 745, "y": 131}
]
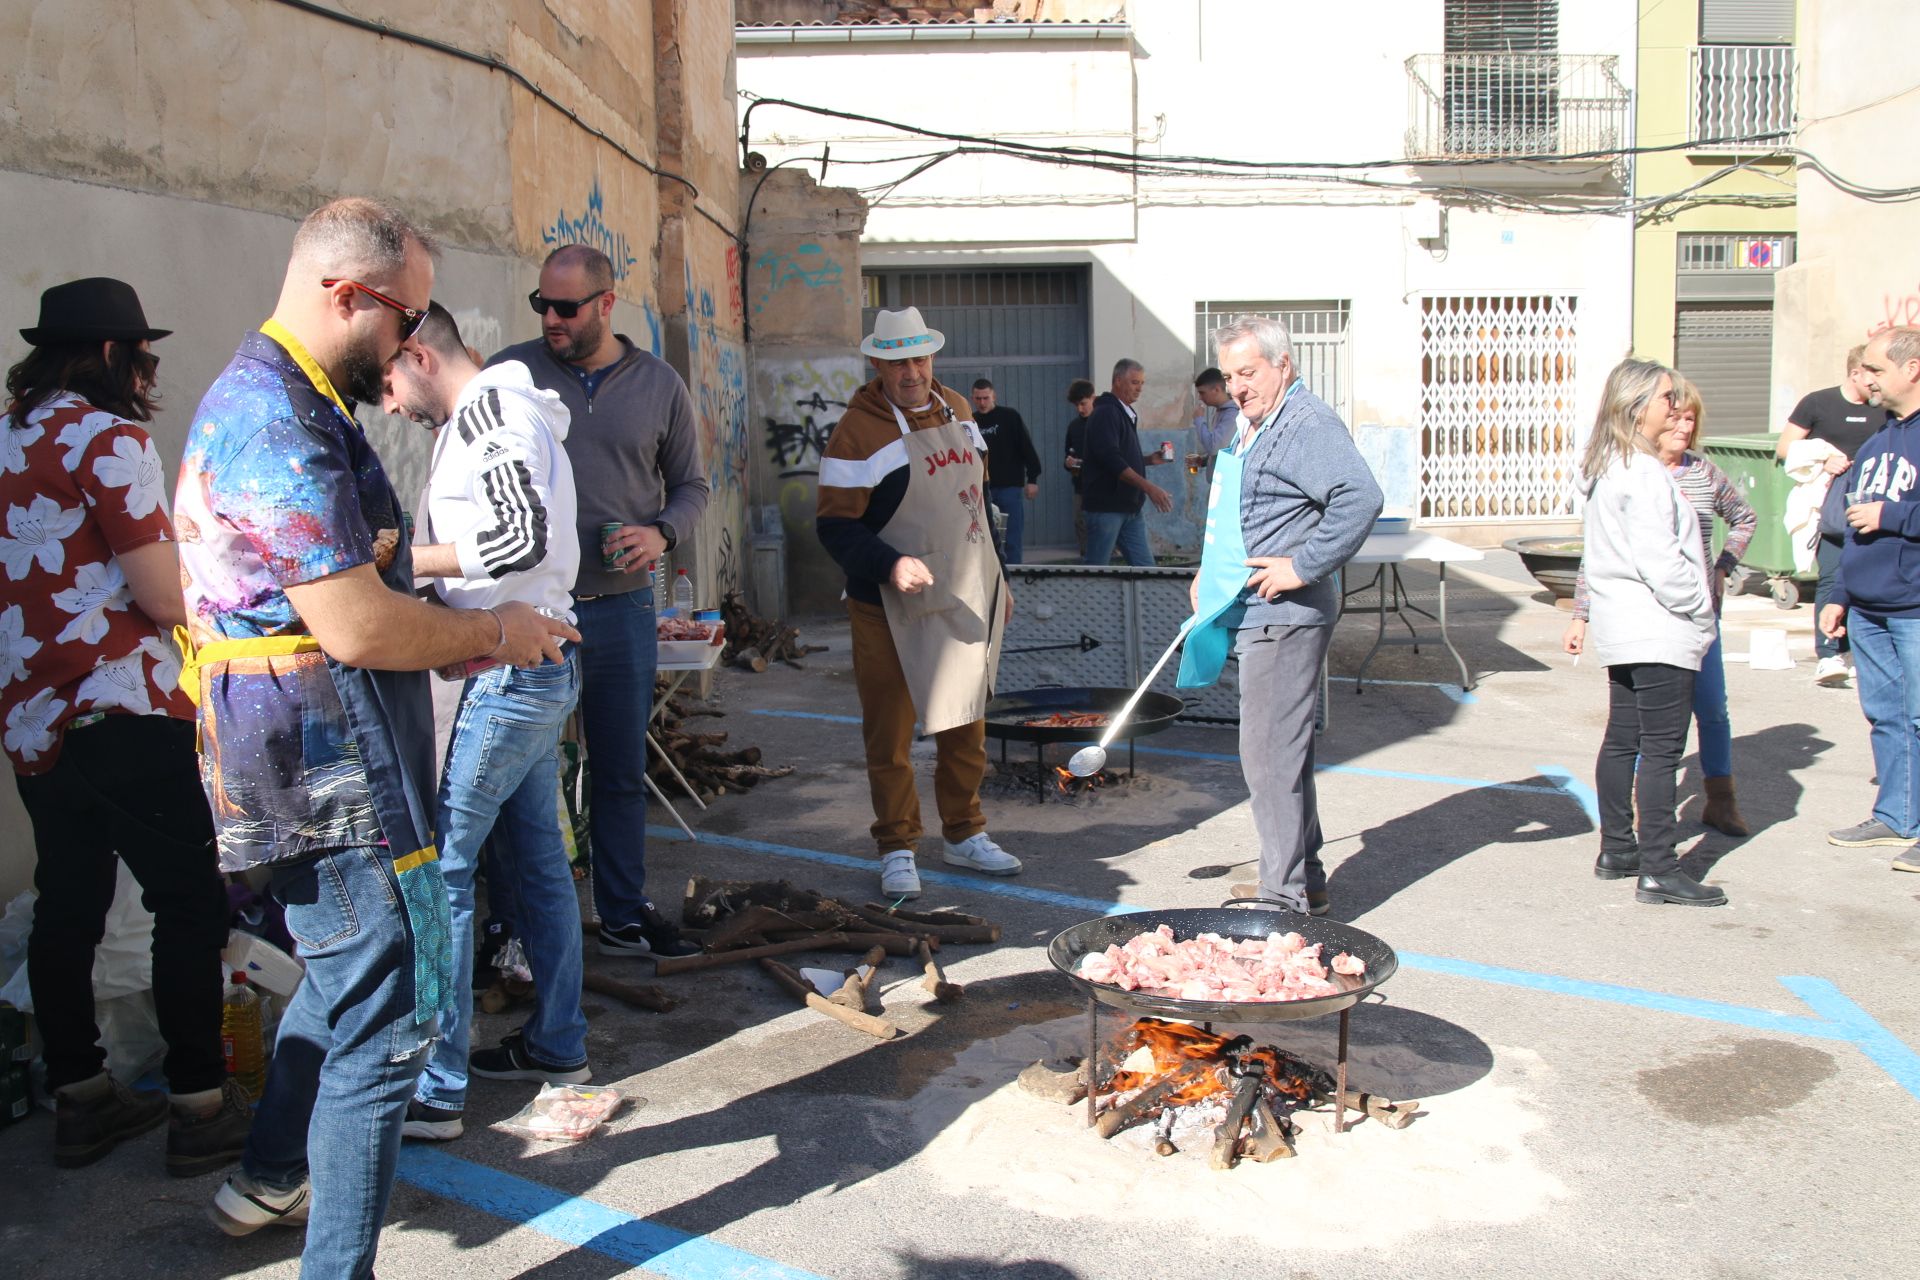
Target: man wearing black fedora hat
[{"x": 97, "y": 732}]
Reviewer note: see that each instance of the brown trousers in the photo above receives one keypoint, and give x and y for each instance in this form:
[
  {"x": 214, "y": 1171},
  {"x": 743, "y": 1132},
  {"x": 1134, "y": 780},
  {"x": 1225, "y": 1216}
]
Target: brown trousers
[{"x": 886, "y": 723}]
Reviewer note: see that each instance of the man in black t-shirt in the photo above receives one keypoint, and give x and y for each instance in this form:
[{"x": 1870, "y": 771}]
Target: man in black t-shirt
[
  {"x": 1013, "y": 468},
  {"x": 1845, "y": 417}
]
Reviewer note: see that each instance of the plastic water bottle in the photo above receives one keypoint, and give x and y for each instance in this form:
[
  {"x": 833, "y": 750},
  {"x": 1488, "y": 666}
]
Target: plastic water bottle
[
  {"x": 682, "y": 593},
  {"x": 660, "y": 581},
  {"x": 243, "y": 1037}
]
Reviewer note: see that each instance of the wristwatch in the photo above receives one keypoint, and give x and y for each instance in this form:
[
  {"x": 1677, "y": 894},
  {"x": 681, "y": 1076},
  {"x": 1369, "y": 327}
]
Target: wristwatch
[{"x": 666, "y": 531}]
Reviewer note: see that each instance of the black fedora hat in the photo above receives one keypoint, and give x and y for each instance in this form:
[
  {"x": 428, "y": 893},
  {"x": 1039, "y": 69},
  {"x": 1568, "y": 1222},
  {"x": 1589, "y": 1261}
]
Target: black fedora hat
[{"x": 96, "y": 309}]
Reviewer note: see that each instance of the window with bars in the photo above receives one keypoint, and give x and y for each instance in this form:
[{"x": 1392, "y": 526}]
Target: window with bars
[
  {"x": 1502, "y": 77},
  {"x": 974, "y": 288},
  {"x": 1319, "y": 332}
]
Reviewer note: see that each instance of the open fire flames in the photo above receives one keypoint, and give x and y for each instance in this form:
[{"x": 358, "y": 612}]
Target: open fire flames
[
  {"x": 1186, "y": 1078},
  {"x": 1046, "y": 782}
]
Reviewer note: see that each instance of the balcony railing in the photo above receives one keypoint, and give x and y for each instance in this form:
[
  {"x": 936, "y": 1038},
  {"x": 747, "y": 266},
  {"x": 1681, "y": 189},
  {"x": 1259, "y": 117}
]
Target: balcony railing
[
  {"x": 1742, "y": 90},
  {"x": 1466, "y": 105}
]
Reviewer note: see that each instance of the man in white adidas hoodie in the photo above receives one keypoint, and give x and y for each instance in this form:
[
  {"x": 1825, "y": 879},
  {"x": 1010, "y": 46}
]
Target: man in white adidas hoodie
[{"x": 498, "y": 525}]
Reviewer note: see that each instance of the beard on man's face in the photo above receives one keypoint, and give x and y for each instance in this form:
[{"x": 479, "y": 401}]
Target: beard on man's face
[
  {"x": 577, "y": 344},
  {"x": 365, "y": 368}
]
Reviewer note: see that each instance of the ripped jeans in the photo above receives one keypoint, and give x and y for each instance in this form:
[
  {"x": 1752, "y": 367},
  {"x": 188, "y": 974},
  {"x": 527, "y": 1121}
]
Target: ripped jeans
[{"x": 348, "y": 1053}]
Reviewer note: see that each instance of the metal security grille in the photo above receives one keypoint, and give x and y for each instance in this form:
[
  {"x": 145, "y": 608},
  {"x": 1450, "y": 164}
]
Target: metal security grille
[
  {"x": 1734, "y": 251},
  {"x": 1497, "y": 420},
  {"x": 1320, "y": 350},
  {"x": 1023, "y": 329},
  {"x": 1727, "y": 350},
  {"x": 1742, "y": 90}
]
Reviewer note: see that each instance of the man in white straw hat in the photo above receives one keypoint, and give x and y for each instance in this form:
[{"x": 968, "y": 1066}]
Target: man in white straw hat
[{"x": 903, "y": 511}]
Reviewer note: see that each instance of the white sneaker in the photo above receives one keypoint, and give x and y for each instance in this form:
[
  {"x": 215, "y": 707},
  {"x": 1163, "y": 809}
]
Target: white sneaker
[
  {"x": 1831, "y": 673},
  {"x": 980, "y": 853},
  {"x": 899, "y": 878},
  {"x": 242, "y": 1206}
]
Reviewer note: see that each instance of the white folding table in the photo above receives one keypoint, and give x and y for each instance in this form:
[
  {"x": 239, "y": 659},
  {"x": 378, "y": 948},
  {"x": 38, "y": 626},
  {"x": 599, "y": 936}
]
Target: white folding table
[
  {"x": 1387, "y": 552},
  {"x": 677, "y": 673}
]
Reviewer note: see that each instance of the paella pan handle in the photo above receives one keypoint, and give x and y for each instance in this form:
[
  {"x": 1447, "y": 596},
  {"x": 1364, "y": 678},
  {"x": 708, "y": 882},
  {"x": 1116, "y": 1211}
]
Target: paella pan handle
[{"x": 1248, "y": 902}]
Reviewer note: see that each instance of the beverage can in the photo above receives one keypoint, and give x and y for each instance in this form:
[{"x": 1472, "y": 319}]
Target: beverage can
[
  {"x": 406, "y": 526},
  {"x": 609, "y": 558},
  {"x": 1166, "y": 450}
]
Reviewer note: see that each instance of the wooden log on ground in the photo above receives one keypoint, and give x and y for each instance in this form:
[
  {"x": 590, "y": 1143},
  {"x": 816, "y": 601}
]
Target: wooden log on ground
[
  {"x": 650, "y": 997},
  {"x": 706, "y": 901},
  {"x": 853, "y": 992},
  {"x": 964, "y": 934},
  {"x": 927, "y": 917},
  {"x": 895, "y": 944},
  {"x": 763, "y": 920},
  {"x": 944, "y": 992},
  {"x": 667, "y": 965},
  {"x": 800, "y": 988}
]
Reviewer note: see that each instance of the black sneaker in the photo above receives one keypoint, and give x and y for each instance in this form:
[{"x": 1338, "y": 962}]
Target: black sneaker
[
  {"x": 436, "y": 1124},
  {"x": 653, "y": 936},
  {"x": 511, "y": 1061},
  {"x": 93, "y": 1116},
  {"x": 1868, "y": 834},
  {"x": 201, "y": 1144}
]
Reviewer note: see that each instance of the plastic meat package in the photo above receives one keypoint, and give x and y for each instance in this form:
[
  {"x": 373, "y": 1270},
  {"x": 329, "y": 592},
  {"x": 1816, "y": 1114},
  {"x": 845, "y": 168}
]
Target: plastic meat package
[{"x": 564, "y": 1113}]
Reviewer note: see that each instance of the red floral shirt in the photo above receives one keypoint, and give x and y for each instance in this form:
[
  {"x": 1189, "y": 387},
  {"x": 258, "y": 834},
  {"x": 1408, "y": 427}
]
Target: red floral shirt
[{"x": 78, "y": 487}]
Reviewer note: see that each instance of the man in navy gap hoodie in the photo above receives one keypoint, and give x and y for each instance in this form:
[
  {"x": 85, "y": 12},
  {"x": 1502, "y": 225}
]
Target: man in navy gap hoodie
[{"x": 1876, "y": 594}]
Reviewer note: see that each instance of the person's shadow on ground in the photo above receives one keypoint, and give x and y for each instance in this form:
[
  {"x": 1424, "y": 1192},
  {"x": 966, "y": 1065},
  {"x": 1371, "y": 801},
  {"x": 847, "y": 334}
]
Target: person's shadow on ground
[
  {"x": 1402, "y": 851},
  {"x": 1766, "y": 769}
]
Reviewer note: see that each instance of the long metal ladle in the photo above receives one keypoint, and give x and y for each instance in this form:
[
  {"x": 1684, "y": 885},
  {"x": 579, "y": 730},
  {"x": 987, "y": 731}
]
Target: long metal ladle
[{"x": 1088, "y": 761}]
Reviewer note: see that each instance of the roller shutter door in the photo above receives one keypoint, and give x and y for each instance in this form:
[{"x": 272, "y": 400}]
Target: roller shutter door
[{"x": 1727, "y": 349}]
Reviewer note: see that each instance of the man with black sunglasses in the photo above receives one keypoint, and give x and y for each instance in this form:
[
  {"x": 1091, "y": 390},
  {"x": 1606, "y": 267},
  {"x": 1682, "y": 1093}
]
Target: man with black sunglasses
[{"x": 636, "y": 464}]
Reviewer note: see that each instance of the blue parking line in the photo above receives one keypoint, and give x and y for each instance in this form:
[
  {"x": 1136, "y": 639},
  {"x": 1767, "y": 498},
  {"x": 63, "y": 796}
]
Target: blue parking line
[
  {"x": 1232, "y": 757},
  {"x": 1579, "y": 790},
  {"x": 1838, "y": 1017},
  {"x": 585, "y": 1224}
]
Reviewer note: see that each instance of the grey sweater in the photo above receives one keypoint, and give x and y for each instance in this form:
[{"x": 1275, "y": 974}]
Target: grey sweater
[
  {"x": 634, "y": 447},
  {"x": 1306, "y": 493}
]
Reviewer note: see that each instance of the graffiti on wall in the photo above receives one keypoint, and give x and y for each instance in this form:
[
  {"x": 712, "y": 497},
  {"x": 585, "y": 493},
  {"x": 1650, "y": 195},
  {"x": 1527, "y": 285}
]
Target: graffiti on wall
[
  {"x": 590, "y": 228},
  {"x": 1897, "y": 312},
  {"x": 736, "y": 308},
  {"x": 808, "y": 399},
  {"x": 808, "y": 266},
  {"x": 720, "y": 402}
]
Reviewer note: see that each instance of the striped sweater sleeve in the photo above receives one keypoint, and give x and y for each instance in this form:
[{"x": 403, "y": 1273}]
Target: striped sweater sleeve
[
  {"x": 510, "y": 476},
  {"x": 866, "y": 453}
]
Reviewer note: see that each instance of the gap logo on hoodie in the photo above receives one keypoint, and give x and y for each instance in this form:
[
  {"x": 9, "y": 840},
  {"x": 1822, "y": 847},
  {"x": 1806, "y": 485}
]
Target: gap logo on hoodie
[{"x": 1886, "y": 477}]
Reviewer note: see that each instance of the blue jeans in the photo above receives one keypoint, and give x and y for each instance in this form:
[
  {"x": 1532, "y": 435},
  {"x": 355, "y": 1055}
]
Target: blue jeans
[
  {"x": 1710, "y": 713},
  {"x": 348, "y": 1053},
  {"x": 1013, "y": 501},
  {"x": 1886, "y": 665},
  {"x": 1108, "y": 529},
  {"x": 619, "y": 651},
  {"x": 503, "y": 777}
]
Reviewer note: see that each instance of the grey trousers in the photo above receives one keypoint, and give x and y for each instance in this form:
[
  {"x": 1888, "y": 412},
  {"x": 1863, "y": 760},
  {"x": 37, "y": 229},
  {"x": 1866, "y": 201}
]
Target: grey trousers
[{"x": 1279, "y": 676}]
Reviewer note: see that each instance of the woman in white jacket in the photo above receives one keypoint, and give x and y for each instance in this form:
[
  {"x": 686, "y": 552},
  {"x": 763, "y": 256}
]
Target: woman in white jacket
[{"x": 1652, "y": 624}]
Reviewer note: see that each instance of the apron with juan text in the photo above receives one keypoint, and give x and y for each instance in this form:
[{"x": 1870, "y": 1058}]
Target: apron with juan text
[
  {"x": 1223, "y": 568},
  {"x": 947, "y": 634}
]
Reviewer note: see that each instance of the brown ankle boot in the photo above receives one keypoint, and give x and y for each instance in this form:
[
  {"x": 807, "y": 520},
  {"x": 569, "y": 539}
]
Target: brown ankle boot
[{"x": 1720, "y": 811}]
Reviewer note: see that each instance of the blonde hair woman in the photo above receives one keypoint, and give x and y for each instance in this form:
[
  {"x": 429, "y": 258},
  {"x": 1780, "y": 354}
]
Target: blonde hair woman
[{"x": 1652, "y": 624}]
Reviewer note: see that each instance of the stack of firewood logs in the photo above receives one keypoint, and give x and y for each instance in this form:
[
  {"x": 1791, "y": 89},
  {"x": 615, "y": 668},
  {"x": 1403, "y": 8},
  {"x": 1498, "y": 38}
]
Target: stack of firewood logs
[
  {"x": 754, "y": 642},
  {"x": 737, "y": 921},
  {"x": 707, "y": 769}
]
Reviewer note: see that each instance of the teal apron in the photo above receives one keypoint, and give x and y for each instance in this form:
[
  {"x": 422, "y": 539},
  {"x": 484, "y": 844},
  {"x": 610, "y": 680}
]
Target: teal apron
[{"x": 1223, "y": 568}]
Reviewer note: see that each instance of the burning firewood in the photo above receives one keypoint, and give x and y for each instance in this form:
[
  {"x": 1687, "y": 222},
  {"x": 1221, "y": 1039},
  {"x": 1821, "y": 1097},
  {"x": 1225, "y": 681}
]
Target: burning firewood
[{"x": 753, "y": 642}]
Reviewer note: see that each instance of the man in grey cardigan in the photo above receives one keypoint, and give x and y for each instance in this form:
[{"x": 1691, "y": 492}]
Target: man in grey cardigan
[
  {"x": 1307, "y": 502},
  {"x": 636, "y": 463}
]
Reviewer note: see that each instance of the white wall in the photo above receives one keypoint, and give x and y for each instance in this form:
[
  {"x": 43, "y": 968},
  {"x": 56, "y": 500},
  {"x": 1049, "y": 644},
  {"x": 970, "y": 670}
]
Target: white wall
[{"x": 1237, "y": 79}]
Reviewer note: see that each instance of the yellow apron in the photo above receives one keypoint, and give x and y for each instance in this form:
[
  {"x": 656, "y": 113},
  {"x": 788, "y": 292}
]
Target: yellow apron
[{"x": 947, "y": 634}]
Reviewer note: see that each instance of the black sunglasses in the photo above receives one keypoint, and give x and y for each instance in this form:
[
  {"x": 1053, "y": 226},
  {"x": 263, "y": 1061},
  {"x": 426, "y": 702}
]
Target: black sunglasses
[
  {"x": 560, "y": 306},
  {"x": 410, "y": 320}
]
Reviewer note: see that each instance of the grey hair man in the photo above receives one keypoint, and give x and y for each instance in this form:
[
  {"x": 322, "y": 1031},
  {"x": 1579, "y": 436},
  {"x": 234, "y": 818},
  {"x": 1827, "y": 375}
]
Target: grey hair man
[
  {"x": 1876, "y": 593},
  {"x": 635, "y": 449},
  {"x": 1114, "y": 485},
  {"x": 1293, "y": 500}
]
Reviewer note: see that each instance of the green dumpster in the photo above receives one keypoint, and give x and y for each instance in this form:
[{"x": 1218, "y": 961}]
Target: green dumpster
[{"x": 1750, "y": 463}]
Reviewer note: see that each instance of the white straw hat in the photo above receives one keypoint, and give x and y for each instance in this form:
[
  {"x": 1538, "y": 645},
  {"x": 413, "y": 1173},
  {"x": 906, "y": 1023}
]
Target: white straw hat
[{"x": 897, "y": 335}]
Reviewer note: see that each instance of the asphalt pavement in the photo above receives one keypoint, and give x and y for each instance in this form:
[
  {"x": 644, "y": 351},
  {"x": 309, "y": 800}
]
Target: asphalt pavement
[{"x": 1608, "y": 1089}]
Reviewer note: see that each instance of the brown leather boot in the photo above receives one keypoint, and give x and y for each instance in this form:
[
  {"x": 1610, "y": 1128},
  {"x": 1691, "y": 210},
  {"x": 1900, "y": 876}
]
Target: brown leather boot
[{"x": 1720, "y": 811}]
